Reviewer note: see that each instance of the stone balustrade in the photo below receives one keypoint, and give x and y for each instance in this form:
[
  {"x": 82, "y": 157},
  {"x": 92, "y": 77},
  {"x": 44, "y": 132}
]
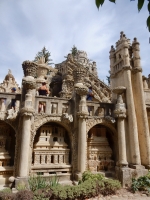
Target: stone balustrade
[
  {"x": 100, "y": 109},
  {"x": 51, "y": 105}
]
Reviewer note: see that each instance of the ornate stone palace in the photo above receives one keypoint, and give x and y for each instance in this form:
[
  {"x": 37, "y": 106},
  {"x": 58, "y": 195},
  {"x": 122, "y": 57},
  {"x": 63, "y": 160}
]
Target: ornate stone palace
[{"x": 63, "y": 133}]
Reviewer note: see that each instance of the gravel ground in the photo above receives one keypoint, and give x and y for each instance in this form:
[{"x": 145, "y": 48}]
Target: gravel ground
[{"x": 123, "y": 194}]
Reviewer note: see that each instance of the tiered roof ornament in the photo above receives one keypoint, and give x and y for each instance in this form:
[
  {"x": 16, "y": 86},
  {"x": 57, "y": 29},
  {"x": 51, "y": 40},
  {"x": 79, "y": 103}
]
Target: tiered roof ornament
[{"x": 8, "y": 83}]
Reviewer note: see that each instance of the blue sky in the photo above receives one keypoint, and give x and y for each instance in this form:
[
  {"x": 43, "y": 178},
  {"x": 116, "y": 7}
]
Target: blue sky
[{"x": 28, "y": 25}]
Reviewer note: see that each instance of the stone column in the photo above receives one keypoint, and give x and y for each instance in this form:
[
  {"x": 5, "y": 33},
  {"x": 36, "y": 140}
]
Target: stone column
[
  {"x": 132, "y": 120},
  {"x": 82, "y": 145},
  {"x": 120, "y": 113},
  {"x": 29, "y": 85},
  {"x": 25, "y": 143},
  {"x": 139, "y": 100},
  {"x": 82, "y": 137}
]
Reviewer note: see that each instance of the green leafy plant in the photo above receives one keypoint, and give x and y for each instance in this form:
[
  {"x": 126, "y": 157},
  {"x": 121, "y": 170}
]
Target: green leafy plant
[
  {"x": 89, "y": 186},
  {"x": 21, "y": 186},
  {"x": 6, "y": 190},
  {"x": 54, "y": 181},
  {"x": 74, "y": 50},
  {"x": 109, "y": 186},
  {"x": 142, "y": 183},
  {"x": 37, "y": 182},
  {"x": 87, "y": 175}
]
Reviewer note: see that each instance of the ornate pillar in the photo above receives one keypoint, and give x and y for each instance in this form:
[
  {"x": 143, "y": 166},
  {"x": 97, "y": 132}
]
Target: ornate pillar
[
  {"x": 28, "y": 98},
  {"x": 142, "y": 121},
  {"x": 25, "y": 143},
  {"x": 120, "y": 113},
  {"x": 82, "y": 137}
]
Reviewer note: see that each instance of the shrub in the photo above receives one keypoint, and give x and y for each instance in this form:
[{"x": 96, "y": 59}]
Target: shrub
[
  {"x": 85, "y": 190},
  {"x": 24, "y": 195},
  {"x": 6, "y": 196},
  {"x": 142, "y": 183},
  {"x": 42, "y": 194},
  {"x": 109, "y": 186},
  {"x": 87, "y": 175}
]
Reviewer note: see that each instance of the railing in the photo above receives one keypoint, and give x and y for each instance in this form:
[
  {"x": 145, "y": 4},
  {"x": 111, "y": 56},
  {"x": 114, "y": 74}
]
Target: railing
[
  {"x": 51, "y": 105},
  {"x": 100, "y": 109},
  {"x": 6, "y": 100}
]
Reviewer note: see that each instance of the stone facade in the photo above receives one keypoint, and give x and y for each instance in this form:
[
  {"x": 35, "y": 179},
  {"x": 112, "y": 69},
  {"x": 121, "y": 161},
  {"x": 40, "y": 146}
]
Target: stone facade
[{"x": 63, "y": 133}]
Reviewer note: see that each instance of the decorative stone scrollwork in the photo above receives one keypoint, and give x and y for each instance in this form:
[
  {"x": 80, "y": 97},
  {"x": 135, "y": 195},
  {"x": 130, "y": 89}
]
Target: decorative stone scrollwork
[
  {"x": 2, "y": 115},
  {"x": 12, "y": 113},
  {"x": 27, "y": 111},
  {"x": 79, "y": 74},
  {"x": 29, "y": 68},
  {"x": 29, "y": 83},
  {"x": 81, "y": 89},
  {"x": 137, "y": 69},
  {"x": 110, "y": 119},
  {"x": 120, "y": 110},
  {"x": 67, "y": 118}
]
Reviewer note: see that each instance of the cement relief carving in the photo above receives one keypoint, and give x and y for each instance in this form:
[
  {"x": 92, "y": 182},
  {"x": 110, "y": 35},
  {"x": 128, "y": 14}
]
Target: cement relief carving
[
  {"x": 13, "y": 112},
  {"x": 2, "y": 109},
  {"x": 67, "y": 118},
  {"x": 101, "y": 112}
]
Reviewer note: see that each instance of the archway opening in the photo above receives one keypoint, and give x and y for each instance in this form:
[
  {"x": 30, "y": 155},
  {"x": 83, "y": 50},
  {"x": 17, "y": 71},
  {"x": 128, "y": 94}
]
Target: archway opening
[
  {"x": 101, "y": 154},
  {"x": 52, "y": 151},
  {"x": 7, "y": 151}
]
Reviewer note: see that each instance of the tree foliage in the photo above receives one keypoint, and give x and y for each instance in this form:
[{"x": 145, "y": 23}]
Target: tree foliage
[
  {"x": 46, "y": 54},
  {"x": 74, "y": 50},
  {"x": 139, "y": 5}
]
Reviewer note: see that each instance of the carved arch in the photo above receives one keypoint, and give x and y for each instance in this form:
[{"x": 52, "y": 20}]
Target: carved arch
[
  {"x": 45, "y": 119},
  {"x": 11, "y": 124},
  {"x": 39, "y": 122},
  {"x": 91, "y": 123}
]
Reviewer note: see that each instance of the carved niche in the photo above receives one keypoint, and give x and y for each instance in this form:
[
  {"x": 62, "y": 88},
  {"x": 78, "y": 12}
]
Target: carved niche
[
  {"x": 50, "y": 151},
  {"x": 99, "y": 151}
]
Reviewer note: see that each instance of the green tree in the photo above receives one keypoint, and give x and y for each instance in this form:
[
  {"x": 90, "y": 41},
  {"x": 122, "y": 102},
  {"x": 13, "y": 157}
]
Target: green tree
[
  {"x": 46, "y": 54},
  {"x": 140, "y": 5},
  {"x": 74, "y": 50}
]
